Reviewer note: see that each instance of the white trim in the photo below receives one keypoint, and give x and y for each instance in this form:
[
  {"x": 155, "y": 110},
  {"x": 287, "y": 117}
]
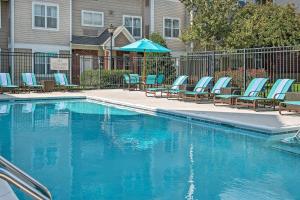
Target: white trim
[
  {"x": 12, "y": 36},
  {"x": 138, "y": 17},
  {"x": 152, "y": 16},
  {"x": 120, "y": 29},
  {"x": 92, "y": 12},
  {"x": 171, "y": 18},
  {"x": 42, "y": 47},
  {"x": 33, "y": 17},
  {"x": 0, "y": 15}
]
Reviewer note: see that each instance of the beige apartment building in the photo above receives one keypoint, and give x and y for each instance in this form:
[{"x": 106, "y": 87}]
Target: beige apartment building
[
  {"x": 50, "y": 28},
  {"x": 132, "y": 19}
]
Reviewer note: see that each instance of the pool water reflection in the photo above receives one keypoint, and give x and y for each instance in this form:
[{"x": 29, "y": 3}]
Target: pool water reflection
[{"x": 83, "y": 150}]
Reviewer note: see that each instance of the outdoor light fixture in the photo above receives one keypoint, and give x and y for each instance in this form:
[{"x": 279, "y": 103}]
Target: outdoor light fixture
[{"x": 111, "y": 30}]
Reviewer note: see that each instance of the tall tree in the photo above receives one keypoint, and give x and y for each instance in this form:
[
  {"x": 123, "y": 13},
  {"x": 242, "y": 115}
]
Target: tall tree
[
  {"x": 264, "y": 26},
  {"x": 220, "y": 24},
  {"x": 211, "y": 23}
]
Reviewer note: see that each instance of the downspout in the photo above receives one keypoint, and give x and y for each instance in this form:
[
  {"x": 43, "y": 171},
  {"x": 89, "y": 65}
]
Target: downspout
[
  {"x": 152, "y": 14},
  {"x": 12, "y": 37},
  {"x": 71, "y": 56}
]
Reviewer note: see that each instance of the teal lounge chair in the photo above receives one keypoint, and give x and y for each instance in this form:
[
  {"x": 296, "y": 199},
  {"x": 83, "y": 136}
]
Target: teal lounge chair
[
  {"x": 160, "y": 79},
  {"x": 201, "y": 91},
  {"x": 181, "y": 80},
  {"x": 289, "y": 106},
  {"x": 150, "y": 81},
  {"x": 29, "y": 81},
  {"x": 276, "y": 95},
  {"x": 6, "y": 84},
  {"x": 255, "y": 87},
  {"x": 61, "y": 81},
  {"x": 132, "y": 81}
]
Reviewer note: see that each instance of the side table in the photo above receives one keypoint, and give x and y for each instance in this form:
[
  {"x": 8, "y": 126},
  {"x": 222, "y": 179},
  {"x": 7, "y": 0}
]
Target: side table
[{"x": 49, "y": 85}]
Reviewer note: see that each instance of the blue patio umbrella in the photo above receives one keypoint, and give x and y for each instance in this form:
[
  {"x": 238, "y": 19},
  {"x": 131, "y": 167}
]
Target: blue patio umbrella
[{"x": 145, "y": 46}]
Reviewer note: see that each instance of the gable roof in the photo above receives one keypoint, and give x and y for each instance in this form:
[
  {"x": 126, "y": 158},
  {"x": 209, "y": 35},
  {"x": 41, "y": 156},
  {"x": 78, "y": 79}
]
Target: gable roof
[
  {"x": 103, "y": 38},
  {"x": 88, "y": 40}
]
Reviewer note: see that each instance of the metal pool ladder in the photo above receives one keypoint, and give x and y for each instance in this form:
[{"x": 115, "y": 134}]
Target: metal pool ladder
[{"x": 15, "y": 176}]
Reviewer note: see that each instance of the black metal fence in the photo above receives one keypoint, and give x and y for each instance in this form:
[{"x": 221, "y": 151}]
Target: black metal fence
[
  {"x": 102, "y": 72},
  {"x": 245, "y": 64}
]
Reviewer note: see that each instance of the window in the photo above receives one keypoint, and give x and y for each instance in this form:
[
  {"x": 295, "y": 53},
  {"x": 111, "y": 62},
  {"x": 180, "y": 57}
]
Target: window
[
  {"x": 133, "y": 25},
  {"x": 92, "y": 18},
  {"x": 171, "y": 28},
  {"x": 42, "y": 63},
  {"x": 45, "y": 16}
]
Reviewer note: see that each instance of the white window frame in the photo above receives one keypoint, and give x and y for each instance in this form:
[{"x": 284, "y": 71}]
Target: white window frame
[
  {"x": 139, "y": 17},
  {"x": 92, "y": 12},
  {"x": 46, "y": 5},
  {"x": 179, "y": 23}
]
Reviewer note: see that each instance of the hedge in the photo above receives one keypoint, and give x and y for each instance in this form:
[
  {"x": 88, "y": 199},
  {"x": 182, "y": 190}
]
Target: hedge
[{"x": 102, "y": 78}]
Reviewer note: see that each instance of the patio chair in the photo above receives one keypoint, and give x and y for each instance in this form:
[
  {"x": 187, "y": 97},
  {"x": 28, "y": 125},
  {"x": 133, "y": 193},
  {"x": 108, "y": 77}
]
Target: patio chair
[
  {"x": 179, "y": 82},
  {"x": 160, "y": 79},
  {"x": 255, "y": 87},
  {"x": 29, "y": 81},
  {"x": 6, "y": 84},
  {"x": 276, "y": 95},
  {"x": 150, "y": 81},
  {"x": 61, "y": 82},
  {"x": 132, "y": 81},
  {"x": 201, "y": 91}
]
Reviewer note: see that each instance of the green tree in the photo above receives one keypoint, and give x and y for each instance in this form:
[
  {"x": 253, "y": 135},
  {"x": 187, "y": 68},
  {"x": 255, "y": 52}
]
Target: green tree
[
  {"x": 220, "y": 24},
  {"x": 264, "y": 26},
  {"x": 161, "y": 63},
  {"x": 211, "y": 23}
]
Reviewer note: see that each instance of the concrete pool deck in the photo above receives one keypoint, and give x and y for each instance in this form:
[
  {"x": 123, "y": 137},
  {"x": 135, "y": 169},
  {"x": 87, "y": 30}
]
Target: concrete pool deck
[{"x": 264, "y": 121}]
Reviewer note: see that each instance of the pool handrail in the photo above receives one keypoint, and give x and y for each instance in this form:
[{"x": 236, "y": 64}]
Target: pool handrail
[{"x": 20, "y": 179}]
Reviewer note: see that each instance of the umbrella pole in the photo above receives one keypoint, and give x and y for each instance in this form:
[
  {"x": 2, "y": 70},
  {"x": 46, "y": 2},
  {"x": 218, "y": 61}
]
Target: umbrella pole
[{"x": 144, "y": 69}]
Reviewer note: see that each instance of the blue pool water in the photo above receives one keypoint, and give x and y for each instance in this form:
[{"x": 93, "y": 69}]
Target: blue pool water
[{"x": 83, "y": 150}]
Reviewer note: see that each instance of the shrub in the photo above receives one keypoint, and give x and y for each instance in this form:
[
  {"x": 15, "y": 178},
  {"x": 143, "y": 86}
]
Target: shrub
[
  {"x": 238, "y": 75},
  {"x": 102, "y": 78}
]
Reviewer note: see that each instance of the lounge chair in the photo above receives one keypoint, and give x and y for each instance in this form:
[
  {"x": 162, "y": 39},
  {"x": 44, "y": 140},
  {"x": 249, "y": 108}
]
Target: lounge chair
[
  {"x": 6, "y": 84},
  {"x": 289, "y": 106},
  {"x": 291, "y": 102},
  {"x": 180, "y": 81},
  {"x": 201, "y": 91},
  {"x": 276, "y": 95},
  {"x": 150, "y": 81},
  {"x": 132, "y": 81},
  {"x": 61, "y": 81},
  {"x": 255, "y": 87},
  {"x": 29, "y": 81},
  {"x": 160, "y": 79}
]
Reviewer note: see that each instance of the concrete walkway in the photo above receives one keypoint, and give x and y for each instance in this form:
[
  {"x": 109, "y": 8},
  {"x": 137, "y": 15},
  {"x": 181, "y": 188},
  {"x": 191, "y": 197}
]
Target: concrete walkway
[{"x": 265, "y": 121}]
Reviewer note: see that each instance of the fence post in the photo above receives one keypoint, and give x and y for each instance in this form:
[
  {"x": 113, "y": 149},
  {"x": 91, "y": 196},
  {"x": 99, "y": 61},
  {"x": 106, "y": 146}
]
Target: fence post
[
  {"x": 245, "y": 70},
  {"x": 212, "y": 72}
]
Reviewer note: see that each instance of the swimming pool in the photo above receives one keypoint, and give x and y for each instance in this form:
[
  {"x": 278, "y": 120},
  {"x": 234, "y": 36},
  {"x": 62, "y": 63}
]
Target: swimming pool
[{"x": 84, "y": 150}]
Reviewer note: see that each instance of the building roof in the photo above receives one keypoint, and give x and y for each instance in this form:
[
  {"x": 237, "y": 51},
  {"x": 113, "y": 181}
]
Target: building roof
[{"x": 88, "y": 40}]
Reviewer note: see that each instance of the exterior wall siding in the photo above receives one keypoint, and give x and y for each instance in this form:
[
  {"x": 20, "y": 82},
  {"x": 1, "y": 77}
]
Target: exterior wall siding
[
  {"x": 4, "y": 30},
  {"x": 173, "y": 9},
  {"x": 113, "y": 13},
  {"x": 24, "y": 33}
]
